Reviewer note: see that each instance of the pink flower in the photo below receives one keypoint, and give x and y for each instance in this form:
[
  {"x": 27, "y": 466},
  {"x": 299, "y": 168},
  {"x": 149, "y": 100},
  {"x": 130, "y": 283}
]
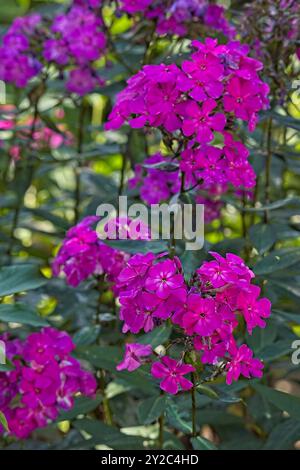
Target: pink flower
[
  {"x": 172, "y": 373},
  {"x": 201, "y": 316},
  {"x": 254, "y": 310},
  {"x": 83, "y": 254},
  {"x": 203, "y": 78},
  {"x": 133, "y": 356},
  {"x": 163, "y": 278},
  {"x": 242, "y": 363},
  {"x": 201, "y": 123},
  {"x": 134, "y": 6},
  {"x": 83, "y": 81},
  {"x": 217, "y": 273},
  {"x": 243, "y": 98}
]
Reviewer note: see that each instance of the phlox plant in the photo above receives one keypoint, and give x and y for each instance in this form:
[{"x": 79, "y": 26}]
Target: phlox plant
[{"x": 125, "y": 341}]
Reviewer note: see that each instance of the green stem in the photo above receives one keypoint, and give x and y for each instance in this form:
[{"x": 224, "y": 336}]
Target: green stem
[
  {"x": 161, "y": 421},
  {"x": 193, "y": 395},
  {"x": 20, "y": 200},
  {"x": 122, "y": 174},
  {"x": 80, "y": 135},
  {"x": 106, "y": 405},
  {"x": 268, "y": 167}
]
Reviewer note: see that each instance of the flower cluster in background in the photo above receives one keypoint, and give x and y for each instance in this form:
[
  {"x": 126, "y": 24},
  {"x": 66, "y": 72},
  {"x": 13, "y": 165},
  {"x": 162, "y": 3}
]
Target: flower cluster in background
[
  {"x": 178, "y": 16},
  {"x": 73, "y": 42},
  {"x": 45, "y": 379},
  {"x": 32, "y": 133},
  {"x": 82, "y": 255},
  {"x": 18, "y": 61},
  {"x": 78, "y": 41}
]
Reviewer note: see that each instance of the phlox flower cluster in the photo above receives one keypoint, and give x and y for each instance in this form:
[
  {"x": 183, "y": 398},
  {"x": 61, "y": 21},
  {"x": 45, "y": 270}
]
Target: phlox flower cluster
[
  {"x": 18, "y": 62},
  {"x": 178, "y": 16},
  {"x": 195, "y": 105},
  {"x": 44, "y": 380},
  {"x": 73, "y": 41},
  {"x": 83, "y": 254},
  {"x": 153, "y": 289},
  {"x": 77, "y": 40}
]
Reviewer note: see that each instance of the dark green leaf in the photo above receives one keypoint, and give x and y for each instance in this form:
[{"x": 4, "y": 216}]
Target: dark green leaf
[
  {"x": 283, "y": 401},
  {"x": 82, "y": 406},
  {"x": 151, "y": 409},
  {"x": 283, "y": 436},
  {"x": 176, "y": 419},
  {"x": 20, "y": 278},
  {"x": 108, "y": 435},
  {"x": 156, "y": 337},
  {"x": 20, "y": 313},
  {"x": 262, "y": 237},
  {"x": 276, "y": 261},
  {"x": 200, "y": 443}
]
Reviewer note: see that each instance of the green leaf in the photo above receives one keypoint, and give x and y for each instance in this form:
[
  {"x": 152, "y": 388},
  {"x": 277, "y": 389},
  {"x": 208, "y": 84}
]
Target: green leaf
[
  {"x": 82, "y": 406},
  {"x": 262, "y": 337},
  {"x": 293, "y": 202},
  {"x": 289, "y": 316},
  {"x": 151, "y": 409},
  {"x": 156, "y": 337},
  {"x": 275, "y": 351},
  {"x": 287, "y": 121},
  {"x": 283, "y": 436},
  {"x": 103, "y": 357},
  {"x": 138, "y": 246},
  {"x": 103, "y": 434},
  {"x": 176, "y": 419},
  {"x": 276, "y": 261},
  {"x": 200, "y": 443},
  {"x": 290, "y": 289},
  {"x": 47, "y": 215},
  {"x": 20, "y": 278},
  {"x": 262, "y": 237},
  {"x": 7, "y": 367},
  {"x": 283, "y": 401},
  {"x": 208, "y": 391},
  {"x": 86, "y": 335},
  {"x": 20, "y": 313},
  {"x": 3, "y": 421},
  {"x": 107, "y": 357}
]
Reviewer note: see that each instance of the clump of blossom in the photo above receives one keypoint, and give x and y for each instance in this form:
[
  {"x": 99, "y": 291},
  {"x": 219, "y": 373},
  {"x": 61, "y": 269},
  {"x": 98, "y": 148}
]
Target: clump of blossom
[
  {"x": 45, "y": 380},
  {"x": 77, "y": 40},
  {"x": 151, "y": 289},
  {"x": 83, "y": 254},
  {"x": 19, "y": 61},
  {"x": 181, "y": 16},
  {"x": 73, "y": 41},
  {"x": 207, "y": 308},
  {"x": 195, "y": 106}
]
